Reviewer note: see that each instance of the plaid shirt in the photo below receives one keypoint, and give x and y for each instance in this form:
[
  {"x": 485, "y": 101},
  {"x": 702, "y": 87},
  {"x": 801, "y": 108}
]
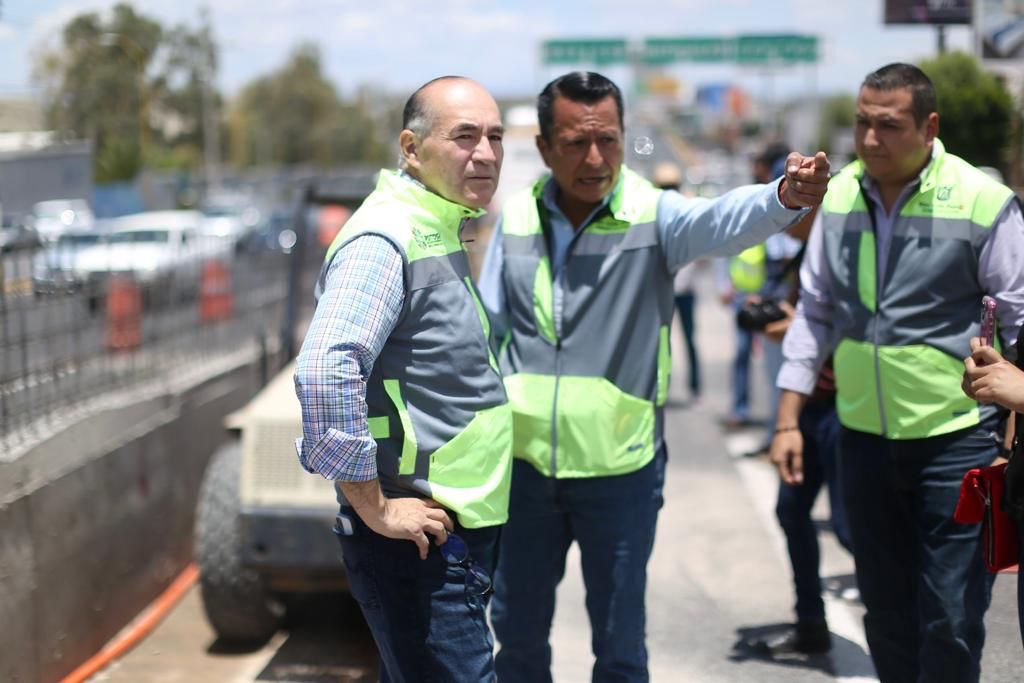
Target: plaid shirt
[{"x": 363, "y": 297}]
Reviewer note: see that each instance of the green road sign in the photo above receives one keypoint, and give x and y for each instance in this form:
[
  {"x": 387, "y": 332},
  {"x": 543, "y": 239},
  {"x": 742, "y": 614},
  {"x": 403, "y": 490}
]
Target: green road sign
[
  {"x": 611, "y": 51},
  {"x": 668, "y": 50},
  {"x": 772, "y": 49},
  {"x": 752, "y": 49}
]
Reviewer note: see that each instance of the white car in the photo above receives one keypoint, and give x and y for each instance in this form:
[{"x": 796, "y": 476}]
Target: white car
[
  {"x": 161, "y": 249},
  {"x": 54, "y": 217}
]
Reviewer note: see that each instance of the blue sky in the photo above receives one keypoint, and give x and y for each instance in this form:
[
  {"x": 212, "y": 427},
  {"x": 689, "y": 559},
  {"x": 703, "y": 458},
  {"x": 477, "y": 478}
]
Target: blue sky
[{"x": 396, "y": 45}]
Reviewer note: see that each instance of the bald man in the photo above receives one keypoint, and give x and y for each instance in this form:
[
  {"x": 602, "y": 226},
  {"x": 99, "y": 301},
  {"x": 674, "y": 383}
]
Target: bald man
[{"x": 402, "y": 403}]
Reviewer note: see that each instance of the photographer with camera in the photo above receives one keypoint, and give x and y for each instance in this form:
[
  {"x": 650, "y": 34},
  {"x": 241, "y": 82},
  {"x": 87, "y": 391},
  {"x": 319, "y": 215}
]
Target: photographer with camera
[{"x": 819, "y": 428}]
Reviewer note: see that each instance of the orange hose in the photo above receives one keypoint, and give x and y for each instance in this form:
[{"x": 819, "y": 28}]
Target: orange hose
[{"x": 139, "y": 629}]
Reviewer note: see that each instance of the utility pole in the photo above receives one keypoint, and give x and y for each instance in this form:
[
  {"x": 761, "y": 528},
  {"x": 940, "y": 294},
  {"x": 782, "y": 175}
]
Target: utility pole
[{"x": 210, "y": 122}]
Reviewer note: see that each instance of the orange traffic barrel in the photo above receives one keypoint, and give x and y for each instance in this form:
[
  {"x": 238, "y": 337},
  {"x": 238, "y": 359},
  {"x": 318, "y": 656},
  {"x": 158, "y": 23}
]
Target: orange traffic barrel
[
  {"x": 216, "y": 296},
  {"x": 124, "y": 314},
  {"x": 330, "y": 221}
]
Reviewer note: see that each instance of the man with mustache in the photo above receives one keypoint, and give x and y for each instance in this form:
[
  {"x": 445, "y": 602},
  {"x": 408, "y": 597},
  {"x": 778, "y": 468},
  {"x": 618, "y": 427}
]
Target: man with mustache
[
  {"x": 579, "y": 279},
  {"x": 908, "y": 240}
]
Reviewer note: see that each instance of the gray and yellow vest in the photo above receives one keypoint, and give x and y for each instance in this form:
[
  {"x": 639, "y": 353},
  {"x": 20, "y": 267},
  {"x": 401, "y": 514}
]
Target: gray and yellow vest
[
  {"x": 587, "y": 383},
  {"x": 436, "y": 405},
  {"x": 902, "y": 334}
]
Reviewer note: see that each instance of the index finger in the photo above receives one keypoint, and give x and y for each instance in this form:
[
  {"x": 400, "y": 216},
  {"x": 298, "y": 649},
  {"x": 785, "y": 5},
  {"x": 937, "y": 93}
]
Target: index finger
[
  {"x": 986, "y": 355},
  {"x": 821, "y": 161},
  {"x": 975, "y": 344}
]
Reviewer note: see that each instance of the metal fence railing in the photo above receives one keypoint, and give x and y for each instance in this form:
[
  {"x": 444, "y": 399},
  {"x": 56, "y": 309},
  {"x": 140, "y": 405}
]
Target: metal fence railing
[{"x": 68, "y": 337}]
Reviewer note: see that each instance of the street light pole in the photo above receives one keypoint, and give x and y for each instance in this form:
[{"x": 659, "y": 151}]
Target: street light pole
[{"x": 211, "y": 123}]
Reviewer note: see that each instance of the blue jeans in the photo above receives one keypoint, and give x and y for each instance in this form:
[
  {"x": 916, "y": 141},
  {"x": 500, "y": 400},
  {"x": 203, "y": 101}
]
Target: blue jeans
[
  {"x": 425, "y": 625},
  {"x": 819, "y": 427},
  {"x": 921, "y": 575},
  {"x": 741, "y": 367},
  {"x": 613, "y": 520},
  {"x": 684, "y": 304}
]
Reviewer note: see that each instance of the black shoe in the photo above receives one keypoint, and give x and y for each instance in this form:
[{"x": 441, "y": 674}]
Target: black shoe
[{"x": 806, "y": 637}]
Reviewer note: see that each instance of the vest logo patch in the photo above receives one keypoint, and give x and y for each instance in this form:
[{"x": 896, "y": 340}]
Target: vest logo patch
[
  {"x": 943, "y": 192},
  {"x": 426, "y": 240}
]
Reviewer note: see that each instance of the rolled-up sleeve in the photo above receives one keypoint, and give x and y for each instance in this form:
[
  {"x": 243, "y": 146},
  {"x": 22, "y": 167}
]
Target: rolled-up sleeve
[
  {"x": 692, "y": 228},
  {"x": 362, "y": 301}
]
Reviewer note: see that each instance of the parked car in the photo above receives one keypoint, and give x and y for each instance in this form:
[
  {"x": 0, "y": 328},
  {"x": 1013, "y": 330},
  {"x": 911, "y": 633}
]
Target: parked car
[
  {"x": 54, "y": 217},
  {"x": 228, "y": 216},
  {"x": 161, "y": 249},
  {"x": 263, "y": 524},
  {"x": 55, "y": 267},
  {"x": 15, "y": 235},
  {"x": 274, "y": 233}
]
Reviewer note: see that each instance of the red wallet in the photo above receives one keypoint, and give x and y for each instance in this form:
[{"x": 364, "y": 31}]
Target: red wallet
[{"x": 981, "y": 497}]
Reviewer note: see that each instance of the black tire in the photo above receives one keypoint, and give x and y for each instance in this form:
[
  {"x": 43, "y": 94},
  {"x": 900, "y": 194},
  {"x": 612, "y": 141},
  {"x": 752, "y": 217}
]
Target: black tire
[{"x": 237, "y": 604}]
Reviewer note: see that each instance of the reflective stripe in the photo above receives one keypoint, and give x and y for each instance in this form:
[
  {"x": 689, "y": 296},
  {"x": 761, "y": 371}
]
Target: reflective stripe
[
  {"x": 867, "y": 277},
  {"x": 920, "y": 391},
  {"x": 380, "y": 427},
  {"x": 544, "y": 301},
  {"x": 602, "y": 431},
  {"x": 407, "y": 465},
  {"x": 747, "y": 270},
  {"x": 664, "y": 366},
  {"x": 486, "y": 498}
]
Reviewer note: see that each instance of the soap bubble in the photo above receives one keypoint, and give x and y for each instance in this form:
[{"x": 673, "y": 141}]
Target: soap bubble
[{"x": 643, "y": 145}]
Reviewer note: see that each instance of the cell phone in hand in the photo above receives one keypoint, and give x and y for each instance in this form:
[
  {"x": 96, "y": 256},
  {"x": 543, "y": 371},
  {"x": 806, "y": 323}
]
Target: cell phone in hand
[{"x": 988, "y": 320}]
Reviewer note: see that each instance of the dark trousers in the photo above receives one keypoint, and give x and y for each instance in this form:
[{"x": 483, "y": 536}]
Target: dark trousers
[
  {"x": 921, "y": 575},
  {"x": 1020, "y": 581},
  {"x": 612, "y": 519},
  {"x": 425, "y": 625},
  {"x": 684, "y": 304},
  {"x": 820, "y": 429}
]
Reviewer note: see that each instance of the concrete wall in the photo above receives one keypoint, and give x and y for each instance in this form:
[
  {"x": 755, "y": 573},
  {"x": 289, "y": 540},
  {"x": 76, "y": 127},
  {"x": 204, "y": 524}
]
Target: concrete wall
[{"x": 96, "y": 521}]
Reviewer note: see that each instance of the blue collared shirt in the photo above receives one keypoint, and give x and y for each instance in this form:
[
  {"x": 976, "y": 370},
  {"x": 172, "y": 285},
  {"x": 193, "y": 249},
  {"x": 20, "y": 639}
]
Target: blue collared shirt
[{"x": 688, "y": 228}]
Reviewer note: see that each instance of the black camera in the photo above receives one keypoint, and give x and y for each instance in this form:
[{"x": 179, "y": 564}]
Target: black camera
[{"x": 754, "y": 316}]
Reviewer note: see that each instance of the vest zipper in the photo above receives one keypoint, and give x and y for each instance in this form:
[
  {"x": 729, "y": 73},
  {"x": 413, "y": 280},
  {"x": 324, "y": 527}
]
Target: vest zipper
[{"x": 557, "y": 321}]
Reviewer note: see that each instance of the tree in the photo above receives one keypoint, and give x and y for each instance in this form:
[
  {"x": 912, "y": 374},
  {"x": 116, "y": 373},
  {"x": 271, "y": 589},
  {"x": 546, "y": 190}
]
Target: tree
[
  {"x": 97, "y": 87},
  {"x": 295, "y": 115},
  {"x": 132, "y": 87},
  {"x": 975, "y": 109}
]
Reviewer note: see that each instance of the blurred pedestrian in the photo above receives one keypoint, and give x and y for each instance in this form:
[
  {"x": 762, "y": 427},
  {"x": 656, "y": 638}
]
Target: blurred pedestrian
[
  {"x": 819, "y": 428},
  {"x": 402, "y": 402},
  {"x": 667, "y": 176},
  {"x": 579, "y": 276},
  {"x": 780, "y": 252},
  {"x": 910, "y": 239}
]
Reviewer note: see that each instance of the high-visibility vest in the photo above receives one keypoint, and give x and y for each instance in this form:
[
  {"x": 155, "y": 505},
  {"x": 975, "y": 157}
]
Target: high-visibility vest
[
  {"x": 747, "y": 270},
  {"x": 587, "y": 382},
  {"x": 903, "y": 333},
  {"x": 435, "y": 400}
]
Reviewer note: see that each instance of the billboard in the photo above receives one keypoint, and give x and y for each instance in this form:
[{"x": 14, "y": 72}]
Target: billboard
[
  {"x": 928, "y": 11},
  {"x": 1000, "y": 29}
]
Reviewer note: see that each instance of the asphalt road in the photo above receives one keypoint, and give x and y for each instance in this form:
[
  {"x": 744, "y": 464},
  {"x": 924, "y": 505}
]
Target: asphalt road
[{"x": 718, "y": 580}]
